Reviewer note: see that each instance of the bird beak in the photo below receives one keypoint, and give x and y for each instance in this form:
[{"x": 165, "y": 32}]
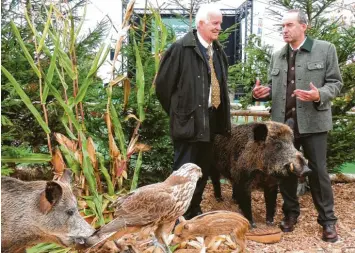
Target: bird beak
[{"x": 200, "y": 172}]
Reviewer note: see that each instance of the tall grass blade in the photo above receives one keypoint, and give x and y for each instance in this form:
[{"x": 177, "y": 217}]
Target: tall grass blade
[
  {"x": 137, "y": 170},
  {"x": 61, "y": 78},
  {"x": 140, "y": 82},
  {"x": 82, "y": 91},
  {"x": 73, "y": 164},
  {"x": 65, "y": 107},
  {"x": 25, "y": 99},
  {"x": 81, "y": 22},
  {"x": 34, "y": 158},
  {"x": 46, "y": 248},
  {"x": 70, "y": 133},
  {"x": 118, "y": 130},
  {"x": 64, "y": 59},
  {"x": 45, "y": 30},
  {"x": 49, "y": 76},
  {"x": 88, "y": 171},
  {"x": 30, "y": 23},
  {"x": 106, "y": 175},
  {"x": 24, "y": 49}
]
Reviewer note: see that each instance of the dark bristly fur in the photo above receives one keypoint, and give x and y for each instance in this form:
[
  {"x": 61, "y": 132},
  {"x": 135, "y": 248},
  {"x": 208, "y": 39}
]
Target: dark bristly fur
[{"x": 265, "y": 149}]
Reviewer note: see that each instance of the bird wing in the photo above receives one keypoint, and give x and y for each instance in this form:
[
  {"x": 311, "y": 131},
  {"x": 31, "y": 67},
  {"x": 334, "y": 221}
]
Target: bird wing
[
  {"x": 142, "y": 207},
  {"x": 147, "y": 205}
]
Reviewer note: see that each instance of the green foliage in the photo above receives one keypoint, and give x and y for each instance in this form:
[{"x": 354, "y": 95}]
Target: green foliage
[
  {"x": 48, "y": 247},
  {"x": 256, "y": 66},
  {"x": 341, "y": 142},
  {"x": 24, "y": 129},
  {"x": 52, "y": 58},
  {"x": 341, "y": 139},
  {"x": 154, "y": 131}
]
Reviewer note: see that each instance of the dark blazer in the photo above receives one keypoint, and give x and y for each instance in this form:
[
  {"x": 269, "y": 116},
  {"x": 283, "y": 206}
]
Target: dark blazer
[{"x": 182, "y": 87}]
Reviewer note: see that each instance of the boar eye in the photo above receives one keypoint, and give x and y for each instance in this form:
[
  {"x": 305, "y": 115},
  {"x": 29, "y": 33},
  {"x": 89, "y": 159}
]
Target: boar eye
[
  {"x": 278, "y": 145},
  {"x": 70, "y": 212}
]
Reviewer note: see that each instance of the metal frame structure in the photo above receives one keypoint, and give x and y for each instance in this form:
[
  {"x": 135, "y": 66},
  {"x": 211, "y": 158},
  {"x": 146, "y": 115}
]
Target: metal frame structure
[{"x": 244, "y": 11}]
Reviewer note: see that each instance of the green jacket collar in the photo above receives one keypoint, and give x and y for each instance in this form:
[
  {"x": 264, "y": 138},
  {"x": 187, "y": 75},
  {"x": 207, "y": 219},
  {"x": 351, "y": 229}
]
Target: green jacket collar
[{"x": 307, "y": 46}]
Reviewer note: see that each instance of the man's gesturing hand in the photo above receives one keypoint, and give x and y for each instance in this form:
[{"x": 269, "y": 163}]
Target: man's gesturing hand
[
  {"x": 308, "y": 95},
  {"x": 260, "y": 91}
]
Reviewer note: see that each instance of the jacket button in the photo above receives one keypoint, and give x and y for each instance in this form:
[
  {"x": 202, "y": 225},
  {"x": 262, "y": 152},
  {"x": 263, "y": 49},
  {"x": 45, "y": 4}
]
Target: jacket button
[
  {"x": 198, "y": 76},
  {"x": 284, "y": 98},
  {"x": 293, "y": 109},
  {"x": 283, "y": 111},
  {"x": 199, "y": 105}
]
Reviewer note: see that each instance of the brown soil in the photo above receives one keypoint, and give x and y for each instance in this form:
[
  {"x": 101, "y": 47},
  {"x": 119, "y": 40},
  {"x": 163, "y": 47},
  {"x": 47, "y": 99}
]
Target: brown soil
[{"x": 306, "y": 238}]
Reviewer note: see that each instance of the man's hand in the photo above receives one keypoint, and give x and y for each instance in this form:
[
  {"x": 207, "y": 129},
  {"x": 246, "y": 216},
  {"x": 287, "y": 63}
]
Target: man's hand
[
  {"x": 260, "y": 91},
  {"x": 308, "y": 95}
]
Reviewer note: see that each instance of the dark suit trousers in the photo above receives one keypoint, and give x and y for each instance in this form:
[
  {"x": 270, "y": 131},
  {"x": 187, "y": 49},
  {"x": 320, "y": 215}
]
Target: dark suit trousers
[
  {"x": 199, "y": 153},
  {"x": 315, "y": 150}
]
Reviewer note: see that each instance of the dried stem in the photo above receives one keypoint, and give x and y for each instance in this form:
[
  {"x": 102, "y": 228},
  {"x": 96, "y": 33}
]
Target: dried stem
[
  {"x": 43, "y": 103},
  {"x": 66, "y": 102}
]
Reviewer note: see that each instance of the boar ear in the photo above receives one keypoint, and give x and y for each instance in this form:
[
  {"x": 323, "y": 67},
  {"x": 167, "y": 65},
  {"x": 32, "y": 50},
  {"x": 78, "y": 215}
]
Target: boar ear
[
  {"x": 66, "y": 177},
  {"x": 50, "y": 196},
  {"x": 260, "y": 132}
]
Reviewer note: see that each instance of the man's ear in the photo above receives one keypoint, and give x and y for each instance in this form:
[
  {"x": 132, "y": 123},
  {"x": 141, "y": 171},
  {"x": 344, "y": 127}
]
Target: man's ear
[
  {"x": 50, "y": 196},
  {"x": 304, "y": 27},
  {"x": 260, "y": 132}
]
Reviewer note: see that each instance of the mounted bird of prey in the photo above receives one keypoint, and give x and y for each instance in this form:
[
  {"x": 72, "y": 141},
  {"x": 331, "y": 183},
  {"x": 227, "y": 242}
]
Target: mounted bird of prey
[{"x": 156, "y": 205}]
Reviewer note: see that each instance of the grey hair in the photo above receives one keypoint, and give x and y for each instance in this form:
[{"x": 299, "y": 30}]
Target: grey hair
[
  {"x": 301, "y": 16},
  {"x": 204, "y": 11}
]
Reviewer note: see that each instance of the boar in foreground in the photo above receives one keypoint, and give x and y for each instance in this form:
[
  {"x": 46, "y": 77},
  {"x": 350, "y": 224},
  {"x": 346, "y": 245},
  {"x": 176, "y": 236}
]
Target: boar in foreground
[
  {"x": 262, "y": 149},
  {"x": 40, "y": 211}
]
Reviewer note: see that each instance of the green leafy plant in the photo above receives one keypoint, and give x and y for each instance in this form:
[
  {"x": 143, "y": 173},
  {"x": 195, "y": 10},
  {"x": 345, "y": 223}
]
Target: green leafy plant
[{"x": 244, "y": 74}]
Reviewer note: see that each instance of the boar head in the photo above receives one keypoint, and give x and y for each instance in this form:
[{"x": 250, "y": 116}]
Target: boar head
[
  {"x": 279, "y": 156},
  {"x": 61, "y": 220}
]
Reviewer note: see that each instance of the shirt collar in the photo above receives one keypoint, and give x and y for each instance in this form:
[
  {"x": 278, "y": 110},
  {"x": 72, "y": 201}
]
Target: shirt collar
[
  {"x": 202, "y": 41},
  {"x": 299, "y": 45}
]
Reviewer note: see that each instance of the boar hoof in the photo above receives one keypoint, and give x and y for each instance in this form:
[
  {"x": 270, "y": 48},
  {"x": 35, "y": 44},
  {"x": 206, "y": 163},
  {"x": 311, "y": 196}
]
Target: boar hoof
[
  {"x": 219, "y": 199},
  {"x": 252, "y": 224},
  {"x": 270, "y": 223}
]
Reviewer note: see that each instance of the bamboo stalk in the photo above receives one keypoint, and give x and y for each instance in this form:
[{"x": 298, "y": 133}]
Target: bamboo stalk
[
  {"x": 66, "y": 101},
  {"x": 43, "y": 104},
  {"x": 124, "y": 26},
  {"x": 75, "y": 81},
  {"x": 144, "y": 24}
]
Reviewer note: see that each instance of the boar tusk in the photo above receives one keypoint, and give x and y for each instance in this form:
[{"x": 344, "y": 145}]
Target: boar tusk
[{"x": 291, "y": 167}]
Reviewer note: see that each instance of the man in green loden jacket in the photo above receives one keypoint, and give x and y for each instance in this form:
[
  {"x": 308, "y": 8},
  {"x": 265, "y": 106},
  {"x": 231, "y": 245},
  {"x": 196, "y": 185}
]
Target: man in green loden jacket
[
  {"x": 191, "y": 86},
  {"x": 304, "y": 78}
]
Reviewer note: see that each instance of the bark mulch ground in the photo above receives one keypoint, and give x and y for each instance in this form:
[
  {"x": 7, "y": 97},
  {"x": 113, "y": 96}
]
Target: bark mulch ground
[{"x": 306, "y": 238}]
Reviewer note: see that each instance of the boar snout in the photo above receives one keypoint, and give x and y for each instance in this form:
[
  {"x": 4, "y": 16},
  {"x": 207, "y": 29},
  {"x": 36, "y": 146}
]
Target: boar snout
[
  {"x": 297, "y": 170},
  {"x": 305, "y": 171},
  {"x": 79, "y": 240},
  {"x": 86, "y": 242}
]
